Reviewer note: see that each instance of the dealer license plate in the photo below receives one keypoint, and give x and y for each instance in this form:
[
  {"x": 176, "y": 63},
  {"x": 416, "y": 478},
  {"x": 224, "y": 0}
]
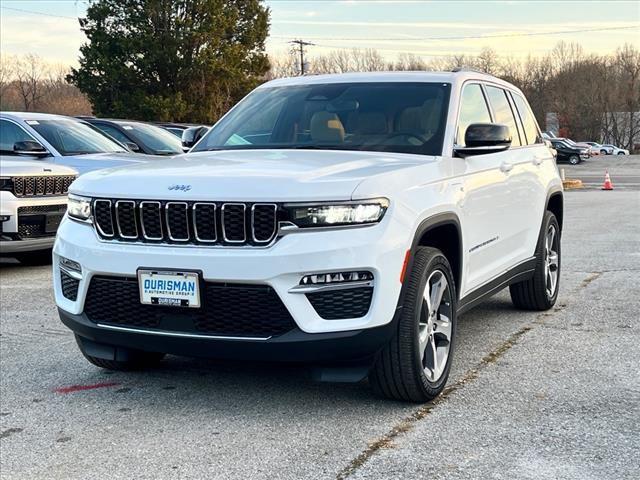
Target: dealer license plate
[{"x": 167, "y": 288}]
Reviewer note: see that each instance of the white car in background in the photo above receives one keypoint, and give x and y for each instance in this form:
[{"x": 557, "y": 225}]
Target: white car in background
[
  {"x": 33, "y": 200},
  {"x": 613, "y": 150},
  {"x": 63, "y": 141}
]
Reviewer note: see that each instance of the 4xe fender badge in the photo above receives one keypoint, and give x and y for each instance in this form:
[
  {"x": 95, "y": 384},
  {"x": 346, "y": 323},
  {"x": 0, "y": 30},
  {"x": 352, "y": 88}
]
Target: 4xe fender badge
[{"x": 182, "y": 188}]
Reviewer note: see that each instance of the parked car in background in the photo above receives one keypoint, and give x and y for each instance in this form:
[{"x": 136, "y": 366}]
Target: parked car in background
[
  {"x": 568, "y": 153},
  {"x": 613, "y": 150},
  {"x": 601, "y": 149},
  {"x": 33, "y": 200},
  {"x": 63, "y": 141},
  {"x": 140, "y": 137}
]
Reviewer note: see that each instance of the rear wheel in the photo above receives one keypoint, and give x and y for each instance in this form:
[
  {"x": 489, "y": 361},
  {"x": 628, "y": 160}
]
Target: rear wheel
[
  {"x": 415, "y": 365},
  {"x": 574, "y": 159},
  {"x": 135, "y": 359},
  {"x": 603, "y": 152},
  {"x": 541, "y": 291}
]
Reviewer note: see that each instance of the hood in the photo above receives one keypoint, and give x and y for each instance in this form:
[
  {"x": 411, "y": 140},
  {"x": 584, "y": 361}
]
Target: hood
[
  {"x": 247, "y": 175},
  {"x": 94, "y": 161},
  {"x": 18, "y": 168}
]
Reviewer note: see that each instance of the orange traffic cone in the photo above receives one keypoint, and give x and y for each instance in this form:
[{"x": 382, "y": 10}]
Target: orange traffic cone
[{"x": 607, "y": 182}]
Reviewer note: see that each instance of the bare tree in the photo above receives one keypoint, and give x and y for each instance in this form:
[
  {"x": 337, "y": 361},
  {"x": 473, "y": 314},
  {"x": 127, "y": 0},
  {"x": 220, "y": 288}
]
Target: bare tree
[{"x": 30, "y": 71}]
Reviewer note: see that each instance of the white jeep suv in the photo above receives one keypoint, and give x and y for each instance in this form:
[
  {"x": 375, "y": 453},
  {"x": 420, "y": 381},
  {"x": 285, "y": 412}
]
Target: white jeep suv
[{"x": 344, "y": 221}]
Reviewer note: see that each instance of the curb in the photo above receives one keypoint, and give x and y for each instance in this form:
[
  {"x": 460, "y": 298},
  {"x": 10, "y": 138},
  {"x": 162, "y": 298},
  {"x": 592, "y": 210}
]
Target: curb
[{"x": 572, "y": 184}]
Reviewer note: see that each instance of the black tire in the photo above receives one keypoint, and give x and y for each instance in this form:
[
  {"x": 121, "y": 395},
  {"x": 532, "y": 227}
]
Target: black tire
[
  {"x": 138, "y": 360},
  {"x": 621, "y": 153},
  {"x": 398, "y": 371},
  {"x": 574, "y": 160},
  {"x": 39, "y": 257},
  {"x": 532, "y": 294},
  {"x": 603, "y": 152}
]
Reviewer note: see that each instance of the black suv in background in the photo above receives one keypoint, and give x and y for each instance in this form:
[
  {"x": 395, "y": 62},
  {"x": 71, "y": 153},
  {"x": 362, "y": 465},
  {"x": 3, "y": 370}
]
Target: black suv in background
[
  {"x": 568, "y": 153},
  {"x": 140, "y": 137}
]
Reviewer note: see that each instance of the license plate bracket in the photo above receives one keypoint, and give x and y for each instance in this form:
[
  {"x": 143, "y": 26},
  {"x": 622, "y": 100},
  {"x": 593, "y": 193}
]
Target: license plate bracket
[{"x": 169, "y": 288}]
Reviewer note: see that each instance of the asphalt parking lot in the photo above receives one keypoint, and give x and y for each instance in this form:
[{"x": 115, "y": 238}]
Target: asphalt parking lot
[{"x": 532, "y": 395}]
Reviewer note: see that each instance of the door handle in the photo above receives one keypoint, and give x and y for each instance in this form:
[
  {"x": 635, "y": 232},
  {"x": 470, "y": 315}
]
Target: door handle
[{"x": 506, "y": 167}]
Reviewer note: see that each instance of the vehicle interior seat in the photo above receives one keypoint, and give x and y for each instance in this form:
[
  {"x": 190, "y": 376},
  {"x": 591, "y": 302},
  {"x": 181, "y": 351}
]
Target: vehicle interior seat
[
  {"x": 369, "y": 123},
  {"x": 326, "y": 127}
]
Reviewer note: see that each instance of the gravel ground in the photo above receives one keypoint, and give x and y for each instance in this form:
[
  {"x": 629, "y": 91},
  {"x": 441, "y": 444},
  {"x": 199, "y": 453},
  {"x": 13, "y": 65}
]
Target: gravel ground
[{"x": 552, "y": 395}]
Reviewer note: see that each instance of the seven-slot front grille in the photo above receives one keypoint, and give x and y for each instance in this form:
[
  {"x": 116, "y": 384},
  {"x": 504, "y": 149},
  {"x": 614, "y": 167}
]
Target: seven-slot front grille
[
  {"x": 227, "y": 309},
  {"x": 43, "y": 186},
  {"x": 207, "y": 223}
]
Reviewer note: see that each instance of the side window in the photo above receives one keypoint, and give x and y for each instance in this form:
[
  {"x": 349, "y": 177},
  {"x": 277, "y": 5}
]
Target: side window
[
  {"x": 113, "y": 132},
  {"x": 10, "y": 133},
  {"x": 502, "y": 111},
  {"x": 473, "y": 109},
  {"x": 528, "y": 120}
]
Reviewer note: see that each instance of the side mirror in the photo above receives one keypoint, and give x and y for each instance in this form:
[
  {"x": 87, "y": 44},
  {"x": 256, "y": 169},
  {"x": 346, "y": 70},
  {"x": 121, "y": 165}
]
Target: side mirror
[
  {"x": 484, "y": 138},
  {"x": 191, "y": 135},
  {"x": 30, "y": 147},
  {"x": 134, "y": 147}
]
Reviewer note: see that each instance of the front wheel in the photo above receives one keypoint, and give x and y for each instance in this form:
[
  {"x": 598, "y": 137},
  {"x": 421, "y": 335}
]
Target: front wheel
[
  {"x": 415, "y": 365},
  {"x": 540, "y": 292},
  {"x": 603, "y": 152},
  {"x": 621, "y": 153},
  {"x": 574, "y": 159}
]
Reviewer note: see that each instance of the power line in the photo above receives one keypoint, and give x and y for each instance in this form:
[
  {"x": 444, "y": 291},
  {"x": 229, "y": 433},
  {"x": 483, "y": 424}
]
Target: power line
[
  {"x": 464, "y": 37},
  {"x": 300, "y": 47},
  {"x": 38, "y": 13}
]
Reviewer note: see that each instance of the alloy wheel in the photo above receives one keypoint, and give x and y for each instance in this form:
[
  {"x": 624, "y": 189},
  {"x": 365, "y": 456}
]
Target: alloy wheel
[{"x": 434, "y": 329}]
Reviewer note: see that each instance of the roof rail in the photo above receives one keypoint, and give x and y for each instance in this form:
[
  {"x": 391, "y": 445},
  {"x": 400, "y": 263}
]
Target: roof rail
[{"x": 470, "y": 69}]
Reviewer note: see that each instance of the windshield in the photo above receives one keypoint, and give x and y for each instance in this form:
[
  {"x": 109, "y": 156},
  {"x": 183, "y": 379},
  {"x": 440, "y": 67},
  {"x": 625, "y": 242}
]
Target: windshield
[
  {"x": 71, "y": 137},
  {"x": 157, "y": 139},
  {"x": 390, "y": 117}
]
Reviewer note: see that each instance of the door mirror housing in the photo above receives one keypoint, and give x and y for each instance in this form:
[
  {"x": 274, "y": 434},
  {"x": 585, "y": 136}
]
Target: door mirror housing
[
  {"x": 484, "y": 138},
  {"x": 30, "y": 147},
  {"x": 191, "y": 135},
  {"x": 134, "y": 147}
]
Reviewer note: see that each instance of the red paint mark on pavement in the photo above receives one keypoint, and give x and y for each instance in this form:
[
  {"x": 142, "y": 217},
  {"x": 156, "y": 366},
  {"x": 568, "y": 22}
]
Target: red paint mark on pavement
[{"x": 78, "y": 388}]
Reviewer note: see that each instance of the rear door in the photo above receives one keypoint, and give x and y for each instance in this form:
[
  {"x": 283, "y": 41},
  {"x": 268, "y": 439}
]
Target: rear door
[{"x": 525, "y": 158}]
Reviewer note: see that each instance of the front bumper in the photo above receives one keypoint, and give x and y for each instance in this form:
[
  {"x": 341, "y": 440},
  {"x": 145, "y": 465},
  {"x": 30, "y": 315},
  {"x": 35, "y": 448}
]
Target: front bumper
[
  {"x": 10, "y": 206},
  {"x": 357, "y": 346},
  {"x": 379, "y": 249},
  {"x": 29, "y": 245}
]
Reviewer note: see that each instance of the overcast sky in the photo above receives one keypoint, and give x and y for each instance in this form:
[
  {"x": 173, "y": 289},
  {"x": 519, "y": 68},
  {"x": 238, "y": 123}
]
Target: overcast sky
[{"x": 425, "y": 28}]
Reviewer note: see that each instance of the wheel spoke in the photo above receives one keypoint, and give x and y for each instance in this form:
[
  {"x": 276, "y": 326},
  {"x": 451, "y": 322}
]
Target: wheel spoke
[
  {"x": 434, "y": 350},
  {"x": 443, "y": 326},
  {"x": 437, "y": 292},
  {"x": 553, "y": 261}
]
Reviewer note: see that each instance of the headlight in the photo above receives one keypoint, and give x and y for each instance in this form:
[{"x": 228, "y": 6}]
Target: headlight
[
  {"x": 79, "y": 207},
  {"x": 338, "y": 214}
]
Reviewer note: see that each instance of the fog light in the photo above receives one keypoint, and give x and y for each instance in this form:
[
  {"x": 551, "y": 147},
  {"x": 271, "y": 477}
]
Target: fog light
[
  {"x": 336, "y": 277},
  {"x": 70, "y": 266}
]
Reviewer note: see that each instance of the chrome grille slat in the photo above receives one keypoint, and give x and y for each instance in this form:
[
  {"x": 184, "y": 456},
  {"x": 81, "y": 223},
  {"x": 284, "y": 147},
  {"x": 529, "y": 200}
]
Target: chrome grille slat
[
  {"x": 197, "y": 219},
  {"x": 122, "y": 213},
  {"x": 175, "y": 219},
  {"x": 228, "y": 210},
  {"x": 146, "y": 220},
  {"x": 232, "y": 224}
]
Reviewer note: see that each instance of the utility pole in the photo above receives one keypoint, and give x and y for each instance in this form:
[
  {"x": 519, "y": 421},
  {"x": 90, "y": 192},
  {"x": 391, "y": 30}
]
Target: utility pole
[{"x": 300, "y": 47}]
